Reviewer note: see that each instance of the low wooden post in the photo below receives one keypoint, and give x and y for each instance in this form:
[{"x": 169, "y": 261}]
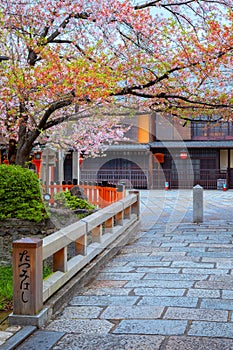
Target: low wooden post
[
  {"x": 27, "y": 276},
  {"x": 135, "y": 208}
]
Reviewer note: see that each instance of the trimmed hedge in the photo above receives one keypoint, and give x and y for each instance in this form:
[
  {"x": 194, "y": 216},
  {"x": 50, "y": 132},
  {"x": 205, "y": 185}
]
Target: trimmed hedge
[
  {"x": 20, "y": 194},
  {"x": 66, "y": 199}
]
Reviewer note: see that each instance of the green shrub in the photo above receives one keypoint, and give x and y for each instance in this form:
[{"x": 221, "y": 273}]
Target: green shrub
[
  {"x": 66, "y": 199},
  {"x": 20, "y": 194},
  {"x": 6, "y": 287}
]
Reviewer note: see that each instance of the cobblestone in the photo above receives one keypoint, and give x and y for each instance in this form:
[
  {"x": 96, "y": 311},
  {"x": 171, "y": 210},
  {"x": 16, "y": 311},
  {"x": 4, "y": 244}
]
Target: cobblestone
[
  {"x": 212, "y": 329},
  {"x": 156, "y": 327},
  {"x": 171, "y": 289}
]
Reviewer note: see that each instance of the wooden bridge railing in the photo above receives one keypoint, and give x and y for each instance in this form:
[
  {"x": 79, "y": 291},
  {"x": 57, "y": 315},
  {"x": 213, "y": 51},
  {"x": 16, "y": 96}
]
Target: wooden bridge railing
[
  {"x": 96, "y": 193},
  {"x": 88, "y": 238}
]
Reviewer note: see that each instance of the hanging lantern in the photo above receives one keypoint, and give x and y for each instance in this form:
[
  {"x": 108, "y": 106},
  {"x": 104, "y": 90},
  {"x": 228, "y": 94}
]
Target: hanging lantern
[
  {"x": 80, "y": 160},
  {"x": 159, "y": 157},
  {"x": 183, "y": 155}
]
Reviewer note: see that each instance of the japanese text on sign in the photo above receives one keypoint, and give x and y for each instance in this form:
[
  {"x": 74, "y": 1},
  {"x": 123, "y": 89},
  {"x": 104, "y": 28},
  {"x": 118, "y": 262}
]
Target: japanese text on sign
[{"x": 24, "y": 266}]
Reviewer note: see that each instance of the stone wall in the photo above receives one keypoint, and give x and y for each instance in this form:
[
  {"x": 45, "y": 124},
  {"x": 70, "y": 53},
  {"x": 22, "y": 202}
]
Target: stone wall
[{"x": 13, "y": 229}]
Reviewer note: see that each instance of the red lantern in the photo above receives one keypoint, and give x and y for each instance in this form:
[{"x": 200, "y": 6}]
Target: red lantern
[
  {"x": 159, "y": 157},
  {"x": 80, "y": 160},
  {"x": 183, "y": 155},
  {"x": 37, "y": 158}
]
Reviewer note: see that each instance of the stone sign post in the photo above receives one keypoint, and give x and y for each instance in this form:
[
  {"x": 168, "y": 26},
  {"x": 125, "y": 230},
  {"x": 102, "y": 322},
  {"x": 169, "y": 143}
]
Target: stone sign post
[{"x": 197, "y": 204}]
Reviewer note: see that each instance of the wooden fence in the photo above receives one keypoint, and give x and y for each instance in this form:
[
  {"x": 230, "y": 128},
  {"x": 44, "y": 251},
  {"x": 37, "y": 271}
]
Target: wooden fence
[
  {"x": 98, "y": 194},
  {"x": 89, "y": 238}
]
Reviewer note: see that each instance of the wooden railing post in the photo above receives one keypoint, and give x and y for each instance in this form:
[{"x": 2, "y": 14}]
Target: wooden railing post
[
  {"x": 135, "y": 208},
  {"x": 119, "y": 217},
  {"x": 27, "y": 276},
  {"x": 60, "y": 260},
  {"x": 81, "y": 245},
  {"x": 127, "y": 213},
  {"x": 96, "y": 234},
  {"x": 109, "y": 224},
  {"x": 120, "y": 192}
]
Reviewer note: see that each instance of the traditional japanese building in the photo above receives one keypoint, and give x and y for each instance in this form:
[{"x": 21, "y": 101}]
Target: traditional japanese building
[
  {"x": 164, "y": 150},
  {"x": 160, "y": 152}
]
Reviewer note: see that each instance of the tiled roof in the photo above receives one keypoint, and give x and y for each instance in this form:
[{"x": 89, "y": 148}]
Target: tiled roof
[
  {"x": 129, "y": 147},
  {"x": 192, "y": 144}
]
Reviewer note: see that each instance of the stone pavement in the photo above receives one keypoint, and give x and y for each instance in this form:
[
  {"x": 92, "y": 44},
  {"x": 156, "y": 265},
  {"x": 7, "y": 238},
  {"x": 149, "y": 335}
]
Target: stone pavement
[{"x": 171, "y": 287}]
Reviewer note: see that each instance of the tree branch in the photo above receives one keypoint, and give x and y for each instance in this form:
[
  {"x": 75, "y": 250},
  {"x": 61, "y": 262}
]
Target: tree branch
[
  {"x": 4, "y": 58},
  {"x": 44, "y": 124}
]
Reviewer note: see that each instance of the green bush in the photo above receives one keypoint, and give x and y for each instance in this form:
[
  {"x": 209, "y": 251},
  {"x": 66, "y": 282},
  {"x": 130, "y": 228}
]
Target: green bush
[
  {"x": 66, "y": 199},
  {"x": 20, "y": 194},
  {"x": 6, "y": 287}
]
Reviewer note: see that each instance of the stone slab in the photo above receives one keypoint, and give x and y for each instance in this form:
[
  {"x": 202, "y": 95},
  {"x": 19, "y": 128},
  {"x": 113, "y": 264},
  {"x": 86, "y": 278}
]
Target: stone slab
[
  {"x": 180, "y": 313},
  {"x": 227, "y": 294},
  {"x": 105, "y": 291},
  {"x": 156, "y": 327},
  {"x": 206, "y": 271},
  {"x": 211, "y": 329},
  {"x": 159, "y": 292},
  {"x": 176, "y": 276},
  {"x": 108, "y": 284},
  {"x": 132, "y": 312},
  {"x": 174, "y": 284},
  {"x": 119, "y": 276},
  {"x": 77, "y": 312},
  {"x": 81, "y": 326},
  {"x": 149, "y": 265},
  {"x": 217, "y": 304},
  {"x": 204, "y": 293},
  {"x": 214, "y": 285},
  {"x": 192, "y": 264},
  {"x": 118, "y": 269},
  {"x": 41, "y": 340},
  {"x": 198, "y": 343},
  {"x": 109, "y": 341},
  {"x": 18, "y": 337},
  {"x": 169, "y": 301},
  {"x": 103, "y": 300},
  {"x": 158, "y": 269}
]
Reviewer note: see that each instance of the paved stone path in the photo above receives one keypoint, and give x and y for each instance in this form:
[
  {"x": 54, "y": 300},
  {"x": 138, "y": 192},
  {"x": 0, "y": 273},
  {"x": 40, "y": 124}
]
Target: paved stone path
[{"x": 171, "y": 287}]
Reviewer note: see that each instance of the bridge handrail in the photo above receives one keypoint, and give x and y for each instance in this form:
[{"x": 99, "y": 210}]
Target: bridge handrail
[{"x": 103, "y": 227}]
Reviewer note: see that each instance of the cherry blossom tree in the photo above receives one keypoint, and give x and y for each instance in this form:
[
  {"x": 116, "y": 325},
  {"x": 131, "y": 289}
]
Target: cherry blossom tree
[
  {"x": 59, "y": 59},
  {"x": 189, "y": 74}
]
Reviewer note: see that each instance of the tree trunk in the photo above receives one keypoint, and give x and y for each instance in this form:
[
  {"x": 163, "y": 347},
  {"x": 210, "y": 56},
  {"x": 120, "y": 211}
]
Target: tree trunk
[
  {"x": 23, "y": 153},
  {"x": 24, "y": 147}
]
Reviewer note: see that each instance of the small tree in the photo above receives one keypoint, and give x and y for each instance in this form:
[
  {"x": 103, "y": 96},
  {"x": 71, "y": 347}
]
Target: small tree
[{"x": 20, "y": 195}]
